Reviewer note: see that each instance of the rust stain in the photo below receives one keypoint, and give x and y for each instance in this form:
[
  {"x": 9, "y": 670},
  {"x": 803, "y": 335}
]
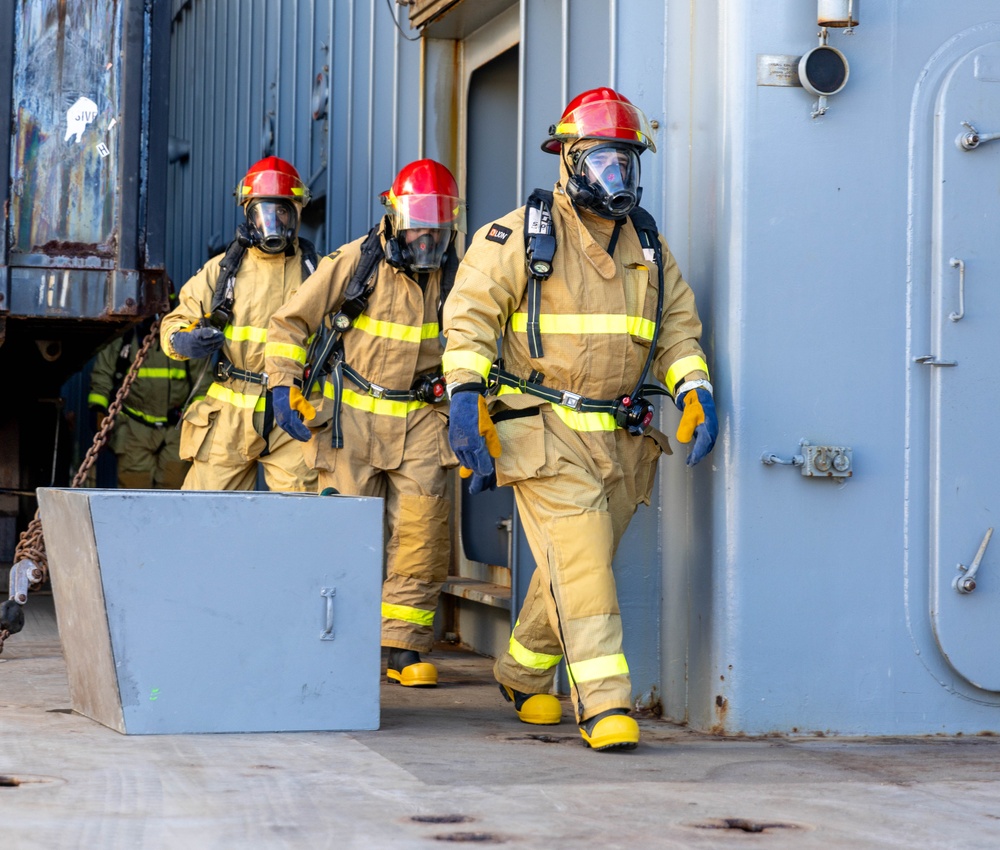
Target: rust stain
[{"x": 721, "y": 715}]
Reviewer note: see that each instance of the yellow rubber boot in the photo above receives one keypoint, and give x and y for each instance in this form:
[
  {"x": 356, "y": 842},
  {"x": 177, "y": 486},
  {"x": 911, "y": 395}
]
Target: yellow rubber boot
[
  {"x": 537, "y": 709},
  {"x": 610, "y": 730},
  {"x": 404, "y": 666}
]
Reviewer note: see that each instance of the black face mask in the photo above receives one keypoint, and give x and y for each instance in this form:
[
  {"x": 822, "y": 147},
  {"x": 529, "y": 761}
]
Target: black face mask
[
  {"x": 605, "y": 180},
  {"x": 418, "y": 251},
  {"x": 424, "y": 251},
  {"x": 273, "y": 223}
]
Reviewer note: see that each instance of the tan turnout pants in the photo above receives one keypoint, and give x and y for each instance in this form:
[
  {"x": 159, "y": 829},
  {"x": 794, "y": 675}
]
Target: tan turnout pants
[{"x": 576, "y": 493}]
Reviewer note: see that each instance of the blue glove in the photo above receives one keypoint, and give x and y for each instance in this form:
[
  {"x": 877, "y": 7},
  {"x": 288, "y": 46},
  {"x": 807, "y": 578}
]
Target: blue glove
[
  {"x": 199, "y": 342},
  {"x": 286, "y": 417},
  {"x": 473, "y": 438},
  {"x": 699, "y": 420}
]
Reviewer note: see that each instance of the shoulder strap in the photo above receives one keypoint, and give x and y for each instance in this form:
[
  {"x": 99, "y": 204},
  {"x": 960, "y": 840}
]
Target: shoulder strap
[
  {"x": 359, "y": 290},
  {"x": 645, "y": 225},
  {"x": 539, "y": 251},
  {"x": 649, "y": 238},
  {"x": 123, "y": 363},
  {"x": 448, "y": 272},
  {"x": 362, "y": 284},
  {"x": 221, "y": 312},
  {"x": 310, "y": 259}
]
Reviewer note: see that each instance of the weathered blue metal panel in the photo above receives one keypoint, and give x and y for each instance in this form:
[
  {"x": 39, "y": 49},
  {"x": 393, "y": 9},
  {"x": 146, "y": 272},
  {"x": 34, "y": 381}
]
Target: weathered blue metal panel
[{"x": 815, "y": 248}]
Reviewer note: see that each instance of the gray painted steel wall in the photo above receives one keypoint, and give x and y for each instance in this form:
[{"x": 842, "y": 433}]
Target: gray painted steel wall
[
  {"x": 244, "y": 76},
  {"x": 788, "y": 603}
]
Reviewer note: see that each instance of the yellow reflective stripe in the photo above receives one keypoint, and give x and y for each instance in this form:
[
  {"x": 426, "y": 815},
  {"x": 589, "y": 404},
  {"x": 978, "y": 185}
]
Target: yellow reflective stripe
[
  {"x": 168, "y": 373},
  {"x": 370, "y": 404},
  {"x": 682, "y": 367},
  {"x": 241, "y": 400},
  {"x": 393, "y": 330},
  {"x": 286, "y": 349},
  {"x": 589, "y": 421},
  {"x": 453, "y": 360},
  {"x": 586, "y": 323},
  {"x": 243, "y": 333},
  {"x": 575, "y": 419},
  {"x": 97, "y": 398},
  {"x": 640, "y": 327},
  {"x": 532, "y": 660},
  {"x": 146, "y": 417},
  {"x": 417, "y": 616},
  {"x": 598, "y": 668}
]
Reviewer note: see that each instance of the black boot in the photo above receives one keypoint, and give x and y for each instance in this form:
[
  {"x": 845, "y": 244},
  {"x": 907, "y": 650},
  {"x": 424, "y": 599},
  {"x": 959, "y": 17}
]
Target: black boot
[
  {"x": 537, "y": 709},
  {"x": 404, "y": 666}
]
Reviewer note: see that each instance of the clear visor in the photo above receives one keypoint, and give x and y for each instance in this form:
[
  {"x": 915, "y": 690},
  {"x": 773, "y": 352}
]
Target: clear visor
[
  {"x": 274, "y": 223},
  {"x": 416, "y": 212},
  {"x": 607, "y": 119},
  {"x": 615, "y": 169},
  {"x": 425, "y": 248}
]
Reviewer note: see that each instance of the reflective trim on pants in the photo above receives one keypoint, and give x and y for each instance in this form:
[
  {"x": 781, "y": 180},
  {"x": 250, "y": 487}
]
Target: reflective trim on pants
[
  {"x": 417, "y": 616},
  {"x": 535, "y": 660},
  {"x": 598, "y": 668}
]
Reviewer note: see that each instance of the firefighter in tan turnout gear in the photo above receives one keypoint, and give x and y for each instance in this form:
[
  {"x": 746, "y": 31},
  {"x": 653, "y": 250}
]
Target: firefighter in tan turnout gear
[
  {"x": 226, "y": 308},
  {"x": 382, "y": 427},
  {"x": 145, "y": 440},
  {"x": 598, "y": 308}
]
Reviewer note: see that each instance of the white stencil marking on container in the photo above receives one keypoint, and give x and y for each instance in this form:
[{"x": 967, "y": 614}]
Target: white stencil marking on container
[{"x": 78, "y": 116}]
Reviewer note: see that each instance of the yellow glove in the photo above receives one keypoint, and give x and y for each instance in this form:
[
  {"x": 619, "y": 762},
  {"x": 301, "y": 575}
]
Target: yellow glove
[
  {"x": 700, "y": 421},
  {"x": 693, "y": 416},
  {"x": 298, "y": 402},
  {"x": 488, "y": 429}
]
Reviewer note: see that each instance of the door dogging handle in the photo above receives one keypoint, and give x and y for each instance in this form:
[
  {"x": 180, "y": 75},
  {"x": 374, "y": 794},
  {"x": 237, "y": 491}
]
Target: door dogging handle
[
  {"x": 967, "y": 583},
  {"x": 931, "y": 360}
]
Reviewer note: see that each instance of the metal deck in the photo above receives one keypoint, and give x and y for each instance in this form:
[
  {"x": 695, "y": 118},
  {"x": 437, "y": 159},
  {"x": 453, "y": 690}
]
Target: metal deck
[{"x": 453, "y": 765}]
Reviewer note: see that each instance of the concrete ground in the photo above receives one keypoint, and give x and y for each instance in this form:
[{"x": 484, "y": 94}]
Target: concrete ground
[{"x": 454, "y": 766}]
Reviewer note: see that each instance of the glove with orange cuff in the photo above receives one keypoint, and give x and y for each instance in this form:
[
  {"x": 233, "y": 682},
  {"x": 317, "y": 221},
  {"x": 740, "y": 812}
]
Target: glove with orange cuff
[
  {"x": 698, "y": 420},
  {"x": 288, "y": 403},
  {"x": 473, "y": 436}
]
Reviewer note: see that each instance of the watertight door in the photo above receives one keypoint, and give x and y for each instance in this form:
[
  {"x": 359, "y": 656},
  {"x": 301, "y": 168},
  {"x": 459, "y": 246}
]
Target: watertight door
[{"x": 965, "y": 396}]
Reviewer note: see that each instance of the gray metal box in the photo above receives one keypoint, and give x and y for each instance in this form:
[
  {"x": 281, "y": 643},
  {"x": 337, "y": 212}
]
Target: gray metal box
[{"x": 217, "y": 612}]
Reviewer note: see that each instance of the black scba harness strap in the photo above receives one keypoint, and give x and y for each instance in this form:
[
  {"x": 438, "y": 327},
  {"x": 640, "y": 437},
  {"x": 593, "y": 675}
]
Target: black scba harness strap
[
  {"x": 327, "y": 341},
  {"x": 325, "y": 355},
  {"x": 221, "y": 311},
  {"x": 631, "y": 411},
  {"x": 429, "y": 388}
]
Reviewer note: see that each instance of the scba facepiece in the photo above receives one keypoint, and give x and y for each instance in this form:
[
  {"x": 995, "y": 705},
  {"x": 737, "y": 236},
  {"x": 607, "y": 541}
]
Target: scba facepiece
[
  {"x": 273, "y": 223},
  {"x": 423, "y": 214},
  {"x": 605, "y": 179},
  {"x": 423, "y": 250}
]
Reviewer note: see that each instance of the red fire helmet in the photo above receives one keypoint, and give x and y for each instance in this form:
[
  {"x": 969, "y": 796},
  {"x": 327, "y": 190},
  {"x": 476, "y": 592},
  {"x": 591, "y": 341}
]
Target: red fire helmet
[
  {"x": 272, "y": 177},
  {"x": 604, "y": 114}
]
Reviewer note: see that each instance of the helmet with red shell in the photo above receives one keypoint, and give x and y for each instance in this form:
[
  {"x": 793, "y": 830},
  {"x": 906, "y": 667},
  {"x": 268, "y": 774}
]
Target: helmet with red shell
[
  {"x": 272, "y": 177},
  {"x": 424, "y": 195},
  {"x": 601, "y": 114}
]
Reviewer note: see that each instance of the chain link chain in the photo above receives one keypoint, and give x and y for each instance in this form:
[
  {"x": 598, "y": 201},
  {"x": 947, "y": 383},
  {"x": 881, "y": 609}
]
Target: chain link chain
[{"x": 31, "y": 545}]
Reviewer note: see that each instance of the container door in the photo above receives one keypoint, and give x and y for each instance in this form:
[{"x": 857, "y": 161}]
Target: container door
[{"x": 965, "y": 363}]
